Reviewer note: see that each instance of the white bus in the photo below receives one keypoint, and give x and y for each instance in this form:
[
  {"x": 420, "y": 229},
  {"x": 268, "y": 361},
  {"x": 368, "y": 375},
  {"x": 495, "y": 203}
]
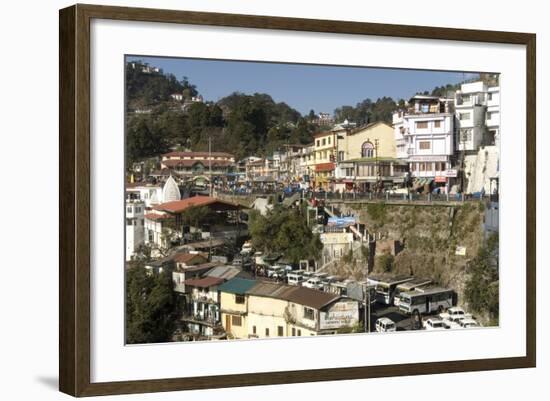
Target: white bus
[
  {"x": 426, "y": 300},
  {"x": 408, "y": 287},
  {"x": 386, "y": 287}
]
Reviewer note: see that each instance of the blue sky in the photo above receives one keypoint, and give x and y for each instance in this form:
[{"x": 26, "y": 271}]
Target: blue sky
[{"x": 303, "y": 87}]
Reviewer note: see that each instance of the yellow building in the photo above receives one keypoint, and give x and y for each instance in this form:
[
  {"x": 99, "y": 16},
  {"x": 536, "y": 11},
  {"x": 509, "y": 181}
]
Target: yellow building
[
  {"x": 373, "y": 140},
  {"x": 324, "y": 153},
  {"x": 234, "y": 306},
  {"x": 263, "y": 309},
  {"x": 367, "y": 159}
]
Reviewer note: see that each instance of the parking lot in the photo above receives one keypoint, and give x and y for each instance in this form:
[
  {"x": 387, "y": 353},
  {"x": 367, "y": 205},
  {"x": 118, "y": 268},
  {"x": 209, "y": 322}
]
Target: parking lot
[{"x": 402, "y": 321}]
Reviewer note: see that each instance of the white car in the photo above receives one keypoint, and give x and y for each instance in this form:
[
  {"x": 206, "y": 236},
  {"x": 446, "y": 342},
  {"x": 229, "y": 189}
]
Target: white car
[
  {"x": 385, "y": 325},
  {"x": 468, "y": 323},
  {"x": 434, "y": 324},
  {"x": 454, "y": 322},
  {"x": 247, "y": 248},
  {"x": 314, "y": 283},
  {"x": 455, "y": 311}
]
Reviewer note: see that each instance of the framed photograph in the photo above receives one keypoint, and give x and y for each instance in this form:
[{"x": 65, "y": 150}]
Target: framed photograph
[{"x": 250, "y": 200}]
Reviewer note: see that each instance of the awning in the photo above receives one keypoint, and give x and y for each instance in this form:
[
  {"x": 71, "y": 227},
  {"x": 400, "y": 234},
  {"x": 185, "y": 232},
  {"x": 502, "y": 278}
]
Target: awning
[{"x": 420, "y": 182}]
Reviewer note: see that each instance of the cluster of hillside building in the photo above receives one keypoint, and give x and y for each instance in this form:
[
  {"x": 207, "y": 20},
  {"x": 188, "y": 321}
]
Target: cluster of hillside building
[
  {"x": 216, "y": 302},
  {"x": 450, "y": 145}
]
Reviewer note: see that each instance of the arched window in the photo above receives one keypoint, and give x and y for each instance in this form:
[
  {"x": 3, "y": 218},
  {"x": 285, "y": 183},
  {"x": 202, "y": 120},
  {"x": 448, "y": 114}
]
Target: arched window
[{"x": 367, "y": 150}]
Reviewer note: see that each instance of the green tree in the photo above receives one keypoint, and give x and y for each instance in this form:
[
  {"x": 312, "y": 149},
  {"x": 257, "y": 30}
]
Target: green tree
[
  {"x": 285, "y": 231},
  {"x": 150, "y": 306},
  {"x": 482, "y": 285},
  {"x": 385, "y": 262}
]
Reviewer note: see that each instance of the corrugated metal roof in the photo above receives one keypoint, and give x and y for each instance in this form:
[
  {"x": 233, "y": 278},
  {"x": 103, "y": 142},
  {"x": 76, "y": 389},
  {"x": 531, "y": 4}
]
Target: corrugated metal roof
[
  {"x": 203, "y": 282},
  {"x": 225, "y": 272},
  {"x": 237, "y": 285},
  {"x": 301, "y": 295},
  {"x": 313, "y": 298}
]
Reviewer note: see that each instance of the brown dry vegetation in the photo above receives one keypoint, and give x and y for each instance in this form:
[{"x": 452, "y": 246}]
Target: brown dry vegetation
[{"x": 430, "y": 236}]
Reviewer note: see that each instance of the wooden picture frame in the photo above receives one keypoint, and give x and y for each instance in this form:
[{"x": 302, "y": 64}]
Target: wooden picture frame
[{"x": 74, "y": 203}]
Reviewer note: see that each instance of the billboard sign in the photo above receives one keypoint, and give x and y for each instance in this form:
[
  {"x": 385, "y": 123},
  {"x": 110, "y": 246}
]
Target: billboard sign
[{"x": 342, "y": 221}]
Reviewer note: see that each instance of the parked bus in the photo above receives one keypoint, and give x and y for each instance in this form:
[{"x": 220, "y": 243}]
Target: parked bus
[
  {"x": 386, "y": 287},
  {"x": 408, "y": 287},
  {"x": 426, "y": 300}
]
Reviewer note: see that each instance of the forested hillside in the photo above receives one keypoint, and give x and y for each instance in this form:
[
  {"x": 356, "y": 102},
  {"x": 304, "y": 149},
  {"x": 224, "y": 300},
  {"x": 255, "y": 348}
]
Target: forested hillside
[{"x": 239, "y": 123}]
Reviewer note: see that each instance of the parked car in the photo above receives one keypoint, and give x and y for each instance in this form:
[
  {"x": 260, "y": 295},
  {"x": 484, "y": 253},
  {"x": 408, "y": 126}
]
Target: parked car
[
  {"x": 314, "y": 282},
  {"x": 397, "y": 191},
  {"x": 468, "y": 323},
  {"x": 452, "y": 312},
  {"x": 246, "y": 248},
  {"x": 435, "y": 324},
  {"x": 385, "y": 325}
]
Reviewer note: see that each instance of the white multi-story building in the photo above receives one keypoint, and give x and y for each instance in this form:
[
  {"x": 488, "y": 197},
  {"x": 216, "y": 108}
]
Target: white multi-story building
[
  {"x": 134, "y": 226},
  {"x": 478, "y": 116},
  {"x": 424, "y": 136},
  {"x": 492, "y": 117}
]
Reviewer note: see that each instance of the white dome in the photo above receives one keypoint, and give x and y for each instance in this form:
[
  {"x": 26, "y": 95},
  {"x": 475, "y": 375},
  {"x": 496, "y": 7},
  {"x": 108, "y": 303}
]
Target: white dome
[{"x": 171, "y": 192}]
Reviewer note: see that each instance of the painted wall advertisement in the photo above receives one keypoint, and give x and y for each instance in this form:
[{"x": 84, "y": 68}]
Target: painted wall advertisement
[{"x": 344, "y": 313}]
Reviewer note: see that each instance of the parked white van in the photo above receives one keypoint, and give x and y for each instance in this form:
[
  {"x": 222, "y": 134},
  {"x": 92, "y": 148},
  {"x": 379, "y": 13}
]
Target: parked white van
[
  {"x": 295, "y": 277},
  {"x": 385, "y": 325}
]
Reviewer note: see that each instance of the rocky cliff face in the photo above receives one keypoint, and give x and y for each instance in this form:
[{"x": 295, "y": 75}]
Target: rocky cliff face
[{"x": 429, "y": 237}]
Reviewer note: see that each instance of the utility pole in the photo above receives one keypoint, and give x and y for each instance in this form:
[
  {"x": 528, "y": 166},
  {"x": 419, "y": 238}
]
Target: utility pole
[{"x": 210, "y": 164}]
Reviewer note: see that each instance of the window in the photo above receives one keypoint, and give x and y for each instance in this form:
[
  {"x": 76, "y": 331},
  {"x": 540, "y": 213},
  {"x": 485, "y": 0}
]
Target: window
[
  {"x": 128, "y": 222},
  {"x": 422, "y": 166},
  {"x": 236, "y": 321},
  {"x": 466, "y": 135},
  {"x": 329, "y": 140},
  {"x": 138, "y": 209},
  {"x": 437, "y": 124},
  {"x": 318, "y": 142},
  {"x": 309, "y": 313},
  {"x": 267, "y": 332},
  {"x": 421, "y": 124},
  {"x": 324, "y": 141},
  {"x": 490, "y": 96},
  {"x": 280, "y": 331},
  {"x": 341, "y": 155},
  {"x": 253, "y": 329},
  {"x": 299, "y": 332},
  {"x": 464, "y": 116},
  {"x": 239, "y": 299},
  {"x": 424, "y": 145},
  {"x": 293, "y": 332},
  {"x": 367, "y": 150},
  {"x": 129, "y": 209}
]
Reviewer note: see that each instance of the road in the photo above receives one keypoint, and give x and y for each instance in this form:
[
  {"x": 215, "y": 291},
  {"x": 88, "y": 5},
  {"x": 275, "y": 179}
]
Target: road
[{"x": 403, "y": 321}]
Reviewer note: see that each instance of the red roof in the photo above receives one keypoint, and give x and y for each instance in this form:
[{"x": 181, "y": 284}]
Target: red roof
[
  {"x": 204, "y": 282},
  {"x": 195, "y": 201},
  {"x": 198, "y": 154},
  {"x": 324, "y": 167},
  {"x": 188, "y": 257}
]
